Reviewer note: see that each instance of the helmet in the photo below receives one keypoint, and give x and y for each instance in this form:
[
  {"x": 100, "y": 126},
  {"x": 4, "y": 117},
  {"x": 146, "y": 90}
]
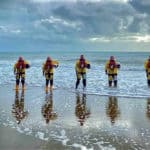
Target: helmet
[{"x": 112, "y": 58}]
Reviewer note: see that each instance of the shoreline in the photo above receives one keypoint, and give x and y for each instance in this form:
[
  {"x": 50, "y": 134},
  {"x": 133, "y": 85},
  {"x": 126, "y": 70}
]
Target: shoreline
[{"x": 73, "y": 91}]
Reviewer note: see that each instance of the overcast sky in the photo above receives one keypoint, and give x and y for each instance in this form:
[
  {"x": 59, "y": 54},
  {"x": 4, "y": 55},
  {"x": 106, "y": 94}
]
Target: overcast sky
[{"x": 104, "y": 25}]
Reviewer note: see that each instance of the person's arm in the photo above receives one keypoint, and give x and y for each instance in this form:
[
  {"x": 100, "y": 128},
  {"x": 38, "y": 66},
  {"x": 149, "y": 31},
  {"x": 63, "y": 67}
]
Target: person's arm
[
  {"x": 15, "y": 68},
  {"x": 88, "y": 64},
  {"x": 43, "y": 70},
  {"x": 106, "y": 67},
  {"x": 145, "y": 67},
  {"x": 27, "y": 64},
  {"x": 56, "y": 63},
  {"x": 76, "y": 66},
  {"x": 118, "y": 65}
]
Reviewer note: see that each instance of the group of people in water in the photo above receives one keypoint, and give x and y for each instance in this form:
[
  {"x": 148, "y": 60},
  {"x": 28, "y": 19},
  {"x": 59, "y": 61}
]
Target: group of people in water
[
  {"x": 82, "y": 112},
  {"x": 81, "y": 66}
]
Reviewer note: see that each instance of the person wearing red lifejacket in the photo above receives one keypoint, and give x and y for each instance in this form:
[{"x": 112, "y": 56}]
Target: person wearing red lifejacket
[
  {"x": 147, "y": 70},
  {"x": 80, "y": 67},
  {"x": 48, "y": 71},
  {"x": 111, "y": 69},
  {"x": 19, "y": 70}
]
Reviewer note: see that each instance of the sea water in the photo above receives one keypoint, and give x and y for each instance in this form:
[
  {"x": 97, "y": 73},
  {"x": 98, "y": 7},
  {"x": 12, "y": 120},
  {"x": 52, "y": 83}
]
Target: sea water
[
  {"x": 122, "y": 123},
  {"x": 131, "y": 76}
]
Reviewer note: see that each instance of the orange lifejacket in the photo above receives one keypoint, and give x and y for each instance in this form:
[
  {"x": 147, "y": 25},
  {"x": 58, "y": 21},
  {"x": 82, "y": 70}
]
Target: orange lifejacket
[
  {"x": 148, "y": 64},
  {"x": 21, "y": 65},
  {"x": 48, "y": 65},
  {"x": 112, "y": 64},
  {"x": 82, "y": 63}
]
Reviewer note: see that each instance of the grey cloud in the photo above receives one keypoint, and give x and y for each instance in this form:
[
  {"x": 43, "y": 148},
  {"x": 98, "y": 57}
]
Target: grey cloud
[
  {"x": 69, "y": 22},
  {"x": 141, "y": 5},
  {"x": 97, "y": 18}
]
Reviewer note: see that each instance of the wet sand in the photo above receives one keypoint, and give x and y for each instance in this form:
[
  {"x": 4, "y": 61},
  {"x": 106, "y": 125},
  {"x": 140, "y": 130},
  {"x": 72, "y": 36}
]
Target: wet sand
[
  {"x": 72, "y": 120},
  {"x": 10, "y": 139}
]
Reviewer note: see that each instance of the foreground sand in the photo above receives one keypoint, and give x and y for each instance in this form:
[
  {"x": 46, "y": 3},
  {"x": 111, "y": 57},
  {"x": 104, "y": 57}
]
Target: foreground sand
[
  {"x": 10, "y": 139},
  {"x": 69, "y": 120}
]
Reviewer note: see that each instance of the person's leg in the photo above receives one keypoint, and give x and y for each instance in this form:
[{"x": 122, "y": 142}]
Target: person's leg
[
  {"x": 115, "y": 80},
  {"x": 77, "y": 83},
  {"x": 148, "y": 79},
  {"x": 47, "y": 78},
  {"x": 78, "y": 79},
  {"x": 47, "y": 82},
  {"x": 84, "y": 80},
  {"x": 51, "y": 81},
  {"x": 110, "y": 80},
  {"x": 17, "y": 80},
  {"x": 23, "y": 80}
]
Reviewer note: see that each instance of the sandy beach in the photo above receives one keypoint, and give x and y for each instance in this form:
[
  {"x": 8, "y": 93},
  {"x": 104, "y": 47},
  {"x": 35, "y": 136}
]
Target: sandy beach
[
  {"x": 10, "y": 139},
  {"x": 72, "y": 120}
]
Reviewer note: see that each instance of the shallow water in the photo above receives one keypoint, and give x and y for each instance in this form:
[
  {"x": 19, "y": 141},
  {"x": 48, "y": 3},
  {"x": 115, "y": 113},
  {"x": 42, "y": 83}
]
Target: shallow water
[
  {"x": 131, "y": 77},
  {"x": 78, "y": 120}
]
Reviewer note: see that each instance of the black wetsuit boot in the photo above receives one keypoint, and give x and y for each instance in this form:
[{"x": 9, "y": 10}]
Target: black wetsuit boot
[
  {"x": 84, "y": 83},
  {"x": 47, "y": 82},
  {"x": 77, "y": 83},
  {"x": 115, "y": 83},
  {"x": 110, "y": 83},
  {"x": 148, "y": 82}
]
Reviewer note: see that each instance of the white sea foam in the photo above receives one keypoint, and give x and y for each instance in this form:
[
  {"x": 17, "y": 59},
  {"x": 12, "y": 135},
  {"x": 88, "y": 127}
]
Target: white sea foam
[
  {"x": 20, "y": 130},
  {"x": 41, "y": 136},
  {"x": 82, "y": 147}
]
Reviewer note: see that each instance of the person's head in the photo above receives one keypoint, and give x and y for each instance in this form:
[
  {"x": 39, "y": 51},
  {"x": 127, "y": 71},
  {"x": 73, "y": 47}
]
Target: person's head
[
  {"x": 20, "y": 58},
  {"x": 81, "y": 57},
  {"x": 112, "y": 58},
  {"x": 149, "y": 58},
  {"x": 48, "y": 58}
]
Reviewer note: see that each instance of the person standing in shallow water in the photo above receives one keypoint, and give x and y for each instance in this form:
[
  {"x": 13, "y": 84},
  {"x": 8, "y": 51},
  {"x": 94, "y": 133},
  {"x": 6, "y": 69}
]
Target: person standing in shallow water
[
  {"x": 80, "y": 67},
  {"x": 111, "y": 69},
  {"x": 19, "y": 70},
  {"x": 48, "y": 71},
  {"x": 147, "y": 70}
]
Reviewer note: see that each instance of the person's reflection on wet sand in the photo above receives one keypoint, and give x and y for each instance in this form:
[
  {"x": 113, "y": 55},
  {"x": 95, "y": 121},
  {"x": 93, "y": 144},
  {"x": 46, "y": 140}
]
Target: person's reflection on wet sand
[
  {"x": 47, "y": 109},
  {"x": 148, "y": 109},
  {"x": 18, "y": 107},
  {"x": 112, "y": 109},
  {"x": 81, "y": 110}
]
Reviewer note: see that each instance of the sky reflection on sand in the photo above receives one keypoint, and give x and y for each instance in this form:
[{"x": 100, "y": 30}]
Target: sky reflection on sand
[{"x": 88, "y": 120}]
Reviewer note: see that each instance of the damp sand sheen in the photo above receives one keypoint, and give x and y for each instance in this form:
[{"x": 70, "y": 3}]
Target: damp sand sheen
[{"x": 72, "y": 120}]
